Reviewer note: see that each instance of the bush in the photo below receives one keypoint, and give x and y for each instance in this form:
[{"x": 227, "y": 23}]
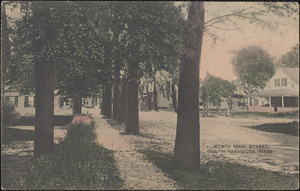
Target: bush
[
  {"x": 29, "y": 120},
  {"x": 76, "y": 163},
  {"x": 9, "y": 114}
]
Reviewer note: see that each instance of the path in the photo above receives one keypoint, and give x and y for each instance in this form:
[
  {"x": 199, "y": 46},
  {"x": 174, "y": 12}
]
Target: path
[{"x": 135, "y": 170}]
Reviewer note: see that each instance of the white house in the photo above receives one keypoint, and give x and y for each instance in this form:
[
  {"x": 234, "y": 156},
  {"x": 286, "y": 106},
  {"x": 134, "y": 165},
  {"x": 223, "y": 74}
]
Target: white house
[
  {"x": 25, "y": 104},
  {"x": 281, "y": 93}
]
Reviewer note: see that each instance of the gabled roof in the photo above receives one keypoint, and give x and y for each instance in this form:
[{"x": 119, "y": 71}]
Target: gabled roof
[{"x": 293, "y": 73}]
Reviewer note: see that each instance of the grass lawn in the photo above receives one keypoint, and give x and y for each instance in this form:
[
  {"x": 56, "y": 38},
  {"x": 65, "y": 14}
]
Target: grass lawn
[
  {"x": 222, "y": 175},
  {"x": 78, "y": 162},
  {"x": 264, "y": 114},
  {"x": 14, "y": 169},
  {"x": 11, "y": 135},
  {"x": 284, "y": 128}
]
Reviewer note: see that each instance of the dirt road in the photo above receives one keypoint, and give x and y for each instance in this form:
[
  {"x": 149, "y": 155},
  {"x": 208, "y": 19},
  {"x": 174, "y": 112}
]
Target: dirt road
[{"x": 228, "y": 139}]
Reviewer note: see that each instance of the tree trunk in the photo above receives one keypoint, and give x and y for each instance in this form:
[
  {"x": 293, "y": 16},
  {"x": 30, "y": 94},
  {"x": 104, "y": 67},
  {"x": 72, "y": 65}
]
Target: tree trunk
[
  {"x": 187, "y": 146},
  {"x": 77, "y": 104},
  {"x": 122, "y": 108},
  {"x": 148, "y": 98},
  {"x": 174, "y": 97},
  {"x": 116, "y": 97},
  {"x": 44, "y": 81},
  {"x": 155, "y": 106},
  {"x": 132, "y": 115},
  {"x": 106, "y": 100},
  {"x": 5, "y": 52}
]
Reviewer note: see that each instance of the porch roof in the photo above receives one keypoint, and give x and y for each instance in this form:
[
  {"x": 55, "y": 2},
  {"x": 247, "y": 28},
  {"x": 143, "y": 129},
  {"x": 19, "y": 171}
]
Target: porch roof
[{"x": 273, "y": 93}]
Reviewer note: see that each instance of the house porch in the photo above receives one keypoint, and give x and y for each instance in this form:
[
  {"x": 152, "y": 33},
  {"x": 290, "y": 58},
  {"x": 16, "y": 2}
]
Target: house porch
[{"x": 273, "y": 101}]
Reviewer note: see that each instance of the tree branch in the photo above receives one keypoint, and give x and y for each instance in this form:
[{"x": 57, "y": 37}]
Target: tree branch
[{"x": 217, "y": 19}]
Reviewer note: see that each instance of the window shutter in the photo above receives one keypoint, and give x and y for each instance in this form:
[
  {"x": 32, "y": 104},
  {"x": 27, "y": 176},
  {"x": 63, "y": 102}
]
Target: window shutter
[
  {"x": 16, "y": 101},
  {"x": 6, "y": 99},
  {"x": 34, "y": 101},
  {"x": 26, "y": 101}
]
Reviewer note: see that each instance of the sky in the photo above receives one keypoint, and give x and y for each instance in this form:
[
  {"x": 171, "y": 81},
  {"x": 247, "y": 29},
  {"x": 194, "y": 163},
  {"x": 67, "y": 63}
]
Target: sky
[{"x": 216, "y": 58}]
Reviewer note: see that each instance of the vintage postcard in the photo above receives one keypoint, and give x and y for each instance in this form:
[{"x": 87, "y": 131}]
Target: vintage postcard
[{"x": 149, "y": 95}]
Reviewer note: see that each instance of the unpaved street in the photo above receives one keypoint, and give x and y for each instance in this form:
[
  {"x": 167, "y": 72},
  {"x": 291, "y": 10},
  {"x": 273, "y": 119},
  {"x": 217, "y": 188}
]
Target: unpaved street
[{"x": 158, "y": 133}]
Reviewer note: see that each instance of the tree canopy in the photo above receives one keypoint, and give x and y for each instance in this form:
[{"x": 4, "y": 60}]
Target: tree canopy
[
  {"x": 214, "y": 89},
  {"x": 254, "y": 66},
  {"x": 89, "y": 43},
  {"x": 290, "y": 59}
]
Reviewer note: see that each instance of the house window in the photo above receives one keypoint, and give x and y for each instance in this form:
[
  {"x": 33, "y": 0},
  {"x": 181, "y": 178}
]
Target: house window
[
  {"x": 283, "y": 82},
  {"x": 29, "y": 101},
  {"x": 277, "y": 82},
  {"x": 13, "y": 100}
]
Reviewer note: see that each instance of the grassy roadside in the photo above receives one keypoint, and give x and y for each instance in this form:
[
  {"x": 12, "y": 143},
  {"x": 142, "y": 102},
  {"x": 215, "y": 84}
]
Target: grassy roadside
[
  {"x": 291, "y": 128},
  {"x": 291, "y": 115},
  {"x": 222, "y": 175},
  {"x": 78, "y": 163}
]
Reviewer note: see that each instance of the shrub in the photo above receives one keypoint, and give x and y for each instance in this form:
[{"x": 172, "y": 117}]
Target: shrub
[
  {"x": 76, "y": 163},
  {"x": 9, "y": 114}
]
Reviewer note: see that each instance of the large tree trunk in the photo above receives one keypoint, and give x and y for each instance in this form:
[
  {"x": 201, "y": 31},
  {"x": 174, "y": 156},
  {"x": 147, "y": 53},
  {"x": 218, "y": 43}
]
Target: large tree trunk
[
  {"x": 132, "y": 115},
  {"x": 106, "y": 100},
  {"x": 77, "y": 105},
  {"x": 116, "y": 97},
  {"x": 174, "y": 97},
  {"x": 187, "y": 146},
  {"x": 44, "y": 82},
  {"x": 155, "y": 106},
  {"x": 5, "y": 52},
  {"x": 122, "y": 108}
]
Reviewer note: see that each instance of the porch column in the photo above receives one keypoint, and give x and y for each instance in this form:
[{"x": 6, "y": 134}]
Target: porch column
[
  {"x": 282, "y": 101},
  {"x": 270, "y": 101},
  {"x": 248, "y": 102}
]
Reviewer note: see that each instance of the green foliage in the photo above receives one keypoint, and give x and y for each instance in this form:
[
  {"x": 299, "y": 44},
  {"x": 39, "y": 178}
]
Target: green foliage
[
  {"x": 283, "y": 128},
  {"x": 9, "y": 113},
  {"x": 90, "y": 39},
  {"x": 148, "y": 37},
  {"x": 214, "y": 89},
  {"x": 76, "y": 163},
  {"x": 80, "y": 51},
  {"x": 215, "y": 175},
  {"x": 254, "y": 66},
  {"x": 290, "y": 59}
]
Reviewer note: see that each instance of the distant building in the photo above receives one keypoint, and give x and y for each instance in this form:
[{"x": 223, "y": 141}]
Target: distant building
[
  {"x": 162, "y": 97},
  {"x": 25, "y": 104},
  {"x": 239, "y": 98},
  {"x": 281, "y": 93}
]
